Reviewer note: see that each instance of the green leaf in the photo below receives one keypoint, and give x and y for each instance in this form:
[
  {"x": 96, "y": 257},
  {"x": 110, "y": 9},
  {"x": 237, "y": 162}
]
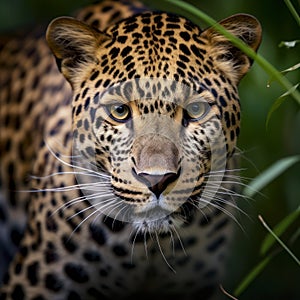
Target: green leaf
[
  {"x": 289, "y": 44},
  {"x": 293, "y": 11},
  {"x": 268, "y": 175},
  {"x": 284, "y": 72},
  {"x": 252, "y": 275},
  {"x": 273, "y": 108},
  {"x": 279, "y": 101},
  {"x": 282, "y": 244},
  {"x": 278, "y": 230}
]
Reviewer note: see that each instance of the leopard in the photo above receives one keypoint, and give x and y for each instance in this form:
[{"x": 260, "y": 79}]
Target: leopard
[{"x": 119, "y": 161}]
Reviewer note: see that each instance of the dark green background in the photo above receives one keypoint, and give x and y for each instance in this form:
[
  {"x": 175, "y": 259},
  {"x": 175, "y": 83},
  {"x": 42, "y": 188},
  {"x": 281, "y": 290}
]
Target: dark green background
[{"x": 260, "y": 146}]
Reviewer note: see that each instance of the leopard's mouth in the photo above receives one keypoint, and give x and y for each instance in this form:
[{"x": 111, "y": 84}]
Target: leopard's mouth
[
  {"x": 155, "y": 213},
  {"x": 160, "y": 220}
]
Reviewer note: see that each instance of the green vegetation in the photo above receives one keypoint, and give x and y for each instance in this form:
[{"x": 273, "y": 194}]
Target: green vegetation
[{"x": 265, "y": 261}]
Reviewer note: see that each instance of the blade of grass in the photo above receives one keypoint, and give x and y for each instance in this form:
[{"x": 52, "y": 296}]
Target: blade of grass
[
  {"x": 252, "y": 275},
  {"x": 268, "y": 68},
  {"x": 268, "y": 175},
  {"x": 278, "y": 102},
  {"x": 282, "y": 244},
  {"x": 293, "y": 11},
  {"x": 279, "y": 229}
]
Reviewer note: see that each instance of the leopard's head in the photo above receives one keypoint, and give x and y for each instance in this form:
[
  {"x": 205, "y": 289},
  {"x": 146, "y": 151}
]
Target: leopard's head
[{"x": 155, "y": 111}]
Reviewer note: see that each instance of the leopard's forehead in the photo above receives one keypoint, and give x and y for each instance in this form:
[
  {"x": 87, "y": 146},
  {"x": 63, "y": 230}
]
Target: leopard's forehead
[
  {"x": 153, "y": 45},
  {"x": 158, "y": 24}
]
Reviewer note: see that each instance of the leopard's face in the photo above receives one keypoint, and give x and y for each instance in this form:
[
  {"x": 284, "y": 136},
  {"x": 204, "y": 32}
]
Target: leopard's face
[
  {"x": 158, "y": 140},
  {"x": 155, "y": 112}
]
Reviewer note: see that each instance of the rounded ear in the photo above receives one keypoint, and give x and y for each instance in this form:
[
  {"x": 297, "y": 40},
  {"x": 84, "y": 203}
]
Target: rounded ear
[
  {"x": 231, "y": 59},
  {"x": 74, "y": 44}
]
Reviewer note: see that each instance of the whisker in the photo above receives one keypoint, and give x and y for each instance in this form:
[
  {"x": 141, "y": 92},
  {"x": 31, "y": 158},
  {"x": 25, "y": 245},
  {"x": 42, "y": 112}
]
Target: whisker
[
  {"x": 172, "y": 242},
  {"x": 118, "y": 204},
  {"x": 80, "y": 212},
  {"x": 107, "y": 204},
  {"x": 229, "y": 182},
  {"x": 244, "y": 185},
  {"x": 67, "y": 173},
  {"x": 229, "y": 173},
  {"x": 71, "y": 165},
  {"x": 89, "y": 207},
  {"x": 78, "y": 200},
  {"x": 162, "y": 253},
  {"x": 145, "y": 245},
  {"x": 132, "y": 247},
  {"x": 97, "y": 211},
  {"x": 82, "y": 186},
  {"x": 69, "y": 204},
  {"x": 231, "y": 204},
  {"x": 224, "y": 191},
  {"x": 235, "y": 170},
  {"x": 84, "y": 220},
  {"x": 223, "y": 210},
  {"x": 179, "y": 239},
  {"x": 201, "y": 211}
]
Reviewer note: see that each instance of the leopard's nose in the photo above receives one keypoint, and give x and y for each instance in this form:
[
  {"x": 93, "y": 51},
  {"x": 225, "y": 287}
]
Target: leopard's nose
[{"x": 157, "y": 183}]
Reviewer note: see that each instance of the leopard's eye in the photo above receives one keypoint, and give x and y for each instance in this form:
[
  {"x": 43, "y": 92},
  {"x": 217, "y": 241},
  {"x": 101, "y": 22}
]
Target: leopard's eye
[
  {"x": 197, "y": 110},
  {"x": 119, "y": 112}
]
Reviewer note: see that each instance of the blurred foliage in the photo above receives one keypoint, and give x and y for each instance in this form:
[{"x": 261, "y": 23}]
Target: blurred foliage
[{"x": 261, "y": 146}]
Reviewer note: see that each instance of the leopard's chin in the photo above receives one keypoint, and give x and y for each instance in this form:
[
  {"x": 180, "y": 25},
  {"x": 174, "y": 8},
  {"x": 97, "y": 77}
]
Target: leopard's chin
[{"x": 158, "y": 220}]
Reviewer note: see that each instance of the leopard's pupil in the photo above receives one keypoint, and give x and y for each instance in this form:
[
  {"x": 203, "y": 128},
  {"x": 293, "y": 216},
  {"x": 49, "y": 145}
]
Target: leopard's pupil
[
  {"x": 120, "y": 110},
  {"x": 195, "y": 108}
]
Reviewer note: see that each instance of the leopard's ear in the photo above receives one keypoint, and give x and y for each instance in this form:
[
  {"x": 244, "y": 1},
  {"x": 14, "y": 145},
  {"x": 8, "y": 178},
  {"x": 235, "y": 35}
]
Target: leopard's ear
[
  {"x": 74, "y": 45},
  {"x": 230, "y": 59}
]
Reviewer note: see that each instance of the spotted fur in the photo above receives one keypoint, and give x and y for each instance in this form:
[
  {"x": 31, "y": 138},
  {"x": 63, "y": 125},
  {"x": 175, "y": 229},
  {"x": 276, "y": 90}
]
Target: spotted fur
[{"x": 117, "y": 156}]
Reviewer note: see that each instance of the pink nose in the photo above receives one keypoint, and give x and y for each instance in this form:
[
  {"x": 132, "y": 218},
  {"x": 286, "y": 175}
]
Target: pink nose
[{"x": 157, "y": 183}]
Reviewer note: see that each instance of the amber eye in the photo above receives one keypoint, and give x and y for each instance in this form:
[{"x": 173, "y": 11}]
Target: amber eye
[
  {"x": 119, "y": 112},
  {"x": 197, "y": 110}
]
